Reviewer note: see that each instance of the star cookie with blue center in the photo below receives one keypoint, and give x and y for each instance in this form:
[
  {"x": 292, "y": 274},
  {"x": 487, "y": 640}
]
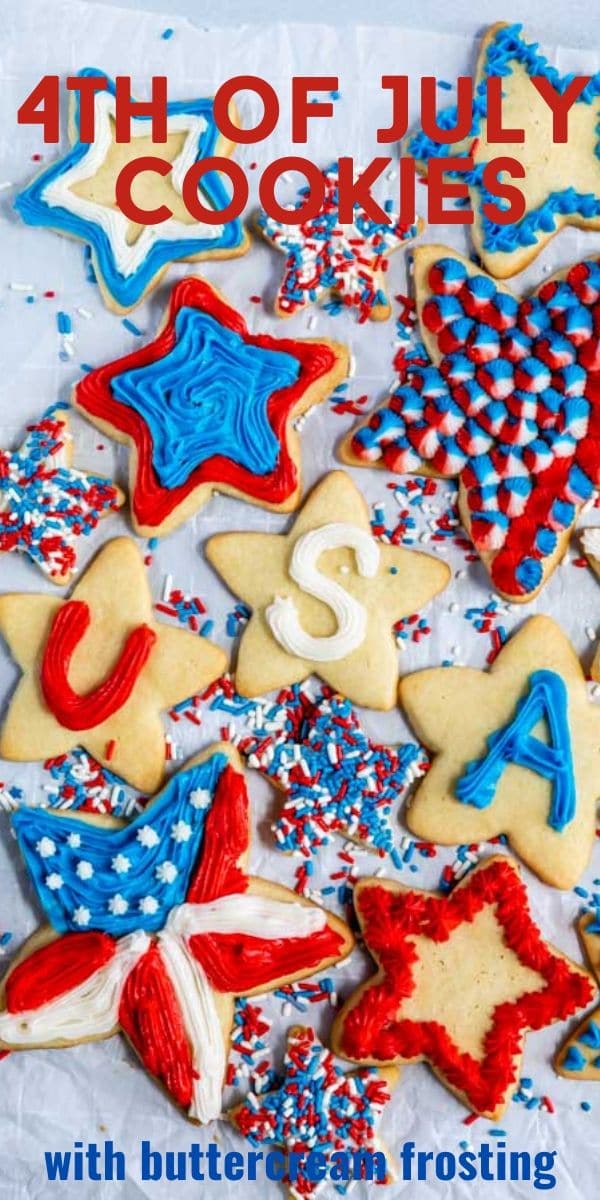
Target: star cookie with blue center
[
  {"x": 515, "y": 750},
  {"x": 155, "y": 928},
  {"x": 210, "y": 406},
  {"x": 76, "y": 196},
  {"x": 508, "y": 403},
  {"x": 561, "y": 182},
  {"x": 319, "y": 1105},
  {"x": 46, "y": 505},
  {"x": 98, "y": 670}
]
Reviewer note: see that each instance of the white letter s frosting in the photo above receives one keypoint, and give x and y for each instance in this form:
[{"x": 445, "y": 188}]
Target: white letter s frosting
[{"x": 351, "y": 616}]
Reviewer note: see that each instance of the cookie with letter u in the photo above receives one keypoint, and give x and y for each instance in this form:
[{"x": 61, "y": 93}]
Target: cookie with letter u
[
  {"x": 155, "y": 927},
  {"x": 516, "y": 751},
  {"x": 324, "y": 597},
  {"x": 98, "y": 669}
]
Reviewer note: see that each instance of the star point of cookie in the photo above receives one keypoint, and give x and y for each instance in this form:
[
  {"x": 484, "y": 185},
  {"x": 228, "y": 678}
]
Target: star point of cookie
[
  {"x": 156, "y": 928},
  {"x": 509, "y": 404},
  {"x": 98, "y": 669},
  {"x": 323, "y": 256},
  {"x": 46, "y": 505},
  {"x": 209, "y": 406},
  {"x": 75, "y": 196},
  {"x": 318, "y": 1103},
  {"x": 324, "y": 597},
  {"x": 461, "y": 979},
  {"x": 561, "y": 183},
  {"x": 579, "y": 1055},
  {"x": 515, "y": 751}
]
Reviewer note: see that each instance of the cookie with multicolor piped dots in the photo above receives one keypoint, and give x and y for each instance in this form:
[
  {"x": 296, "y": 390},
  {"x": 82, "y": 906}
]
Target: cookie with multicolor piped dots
[{"x": 508, "y": 403}]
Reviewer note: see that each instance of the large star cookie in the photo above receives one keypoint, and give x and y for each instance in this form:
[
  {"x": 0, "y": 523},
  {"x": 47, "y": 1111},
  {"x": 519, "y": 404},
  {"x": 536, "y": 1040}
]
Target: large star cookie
[
  {"x": 97, "y": 669},
  {"x": 156, "y": 928},
  {"x": 579, "y": 1055},
  {"x": 45, "y": 504},
  {"x": 516, "y": 751},
  {"x": 317, "y": 1104},
  {"x": 461, "y": 979},
  {"x": 334, "y": 777},
  {"x": 324, "y": 597},
  {"x": 509, "y": 404},
  {"x": 324, "y": 256},
  {"x": 209, "y": 405},
  {"x": 561, "y": 184},
  {"x": 76, "y": 196}
]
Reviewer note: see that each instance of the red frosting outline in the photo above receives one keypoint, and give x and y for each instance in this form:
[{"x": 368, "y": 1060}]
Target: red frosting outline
[
  {"x": 73, "y": 710},
  {"x": 373, "y": 1031},
  {"x": 150, "y": 501},
  {"x": 57, "y": 967}
]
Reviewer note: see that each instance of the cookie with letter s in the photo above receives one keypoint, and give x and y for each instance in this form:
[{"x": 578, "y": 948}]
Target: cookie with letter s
[
  {"x": 324, "y": 597},
  {"x": 155, "y": 927}
]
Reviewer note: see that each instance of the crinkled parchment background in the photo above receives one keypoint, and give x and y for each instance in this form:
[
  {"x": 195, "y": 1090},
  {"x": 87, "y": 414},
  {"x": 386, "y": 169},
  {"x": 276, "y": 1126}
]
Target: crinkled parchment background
[{"x": 93, "y": 1092}]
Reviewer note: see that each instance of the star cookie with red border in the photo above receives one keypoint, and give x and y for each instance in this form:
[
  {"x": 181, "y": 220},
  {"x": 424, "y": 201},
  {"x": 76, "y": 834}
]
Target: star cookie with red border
[{"x": 460, "y": 980}]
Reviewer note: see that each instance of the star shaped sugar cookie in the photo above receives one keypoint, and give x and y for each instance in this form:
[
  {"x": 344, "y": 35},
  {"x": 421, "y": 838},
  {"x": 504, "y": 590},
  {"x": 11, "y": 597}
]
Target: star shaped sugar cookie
[
  {"x": 516, "y": 750},
  {"x": 461, "y": 979},
  {"x": 209, "y": 405},
  {"x": 156, "y": 927},
  {"x": 76, "y": 196},
  {"x": 324, "y": 597},
  {"x": 509, "y": 404},
  {"x": 579, "y": 1055},
  {"x": 334, "y": 777},
  {"x": 561, "y": 185},
  {"x": 318, "y": 1103},
  {"x": 46, "y": 506},
  {"x": 323, "y": 256},
  {"x": 97, "y": 669}
]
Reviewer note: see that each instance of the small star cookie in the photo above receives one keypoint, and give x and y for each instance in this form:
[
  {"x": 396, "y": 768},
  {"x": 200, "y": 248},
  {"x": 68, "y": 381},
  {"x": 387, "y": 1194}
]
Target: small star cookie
[
  {"x": 156, "y": 927},
  {"x": 209, "y": 405},
  {"x": 461, "y": 979},
  {"x": 318, "y": 1103},
  {"x": 516, "y": 751},
  {"x": 75, "y": 196},
  {"x": 509, "y": 404},
  {"x": 97, "y": 670},
  {"x": 579, "y": 1056},
  {"x": 46, "y": 506},
  {"x": 561, "y": 183},
  {"x": 323, "y": 256},
  {"x": 324, "y": 597}
]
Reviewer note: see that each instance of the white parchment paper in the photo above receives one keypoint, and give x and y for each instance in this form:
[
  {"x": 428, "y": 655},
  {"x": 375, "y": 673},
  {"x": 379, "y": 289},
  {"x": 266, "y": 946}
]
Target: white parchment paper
[{"x": 49, "y": 1099}]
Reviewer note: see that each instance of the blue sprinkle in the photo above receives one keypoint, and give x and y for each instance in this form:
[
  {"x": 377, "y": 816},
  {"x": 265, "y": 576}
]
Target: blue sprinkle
[
  {"x": 131, "y": 327},
  {"x": 207, "y": 628},
  {"x": 64, "y": 323},
  {"x": 586, "y": 1106},
  {"x": 167, "y": 34},
  {"x": 444, "y": 85}
]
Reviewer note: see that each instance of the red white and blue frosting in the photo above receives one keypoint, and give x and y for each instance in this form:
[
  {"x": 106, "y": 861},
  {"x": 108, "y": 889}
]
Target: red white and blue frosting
[{"x": 512, "y": 408}]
